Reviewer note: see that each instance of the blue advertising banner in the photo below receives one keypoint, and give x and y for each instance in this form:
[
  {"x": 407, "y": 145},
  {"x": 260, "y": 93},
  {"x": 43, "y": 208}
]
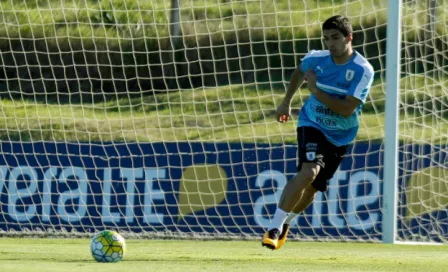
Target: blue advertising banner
[{"x": 210, "y": 188}]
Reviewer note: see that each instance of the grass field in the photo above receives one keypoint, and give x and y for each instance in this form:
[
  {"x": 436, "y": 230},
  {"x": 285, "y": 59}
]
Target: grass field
[
  {"x": 23, "y": 254},
  {"x": 46, "y": 18},
  {"x": 231, "y": 113}
]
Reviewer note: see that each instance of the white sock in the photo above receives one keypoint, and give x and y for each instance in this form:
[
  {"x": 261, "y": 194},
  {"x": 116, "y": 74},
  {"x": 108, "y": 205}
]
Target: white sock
[
  {"x": 278, "y": 219},
  {"x": 290, "y": 217}
]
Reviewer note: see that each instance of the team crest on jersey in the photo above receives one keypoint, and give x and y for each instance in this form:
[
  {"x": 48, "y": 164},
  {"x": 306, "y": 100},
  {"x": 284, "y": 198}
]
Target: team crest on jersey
[
  {"x": 310, "y": 156},
  {"x": 349, "y": 75}
]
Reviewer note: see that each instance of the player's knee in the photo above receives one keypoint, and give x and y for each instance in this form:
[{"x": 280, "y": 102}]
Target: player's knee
[{"x": 308, "y": 173}]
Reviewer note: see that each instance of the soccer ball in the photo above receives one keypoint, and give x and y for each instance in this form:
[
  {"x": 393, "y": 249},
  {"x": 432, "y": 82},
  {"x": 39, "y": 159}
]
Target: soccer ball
[{"x": 108, "y": 246}]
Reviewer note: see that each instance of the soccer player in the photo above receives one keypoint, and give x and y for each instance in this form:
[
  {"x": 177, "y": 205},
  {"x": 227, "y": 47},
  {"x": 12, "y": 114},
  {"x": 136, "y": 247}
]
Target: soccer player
[{"x": 339, "y": 80}]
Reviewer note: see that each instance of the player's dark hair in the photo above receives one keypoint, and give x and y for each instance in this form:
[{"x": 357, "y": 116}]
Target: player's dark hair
[{"x": 340, "y": 23}]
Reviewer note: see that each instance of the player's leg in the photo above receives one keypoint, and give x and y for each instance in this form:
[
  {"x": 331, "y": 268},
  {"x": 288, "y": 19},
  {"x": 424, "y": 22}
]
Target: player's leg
[
  {"x": 310, "y": 163},
  {"x": 292, "y": 193},
  {"x": 306, "y": 199},
  {"x": 333, "y": 157},
  {"x": 291, "y": 196}
]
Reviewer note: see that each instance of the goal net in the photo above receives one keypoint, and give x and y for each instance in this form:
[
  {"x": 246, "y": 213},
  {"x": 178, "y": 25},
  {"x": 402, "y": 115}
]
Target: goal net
[
  {"x": 157, "y": 118},
  {"x": 423, "y": 184}
]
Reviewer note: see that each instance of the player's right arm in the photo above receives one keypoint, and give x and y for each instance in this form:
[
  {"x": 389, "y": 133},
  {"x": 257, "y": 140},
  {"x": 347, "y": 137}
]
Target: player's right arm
[
  {"x": 297, "y": 78},
  {"x": 284, "y": 109},
  {"x": 294, "y": 83}
]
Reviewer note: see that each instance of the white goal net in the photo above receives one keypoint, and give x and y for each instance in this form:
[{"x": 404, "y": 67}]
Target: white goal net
[
  {"x": 423, "y": 184},
  {"x": 156, "y": 118}
]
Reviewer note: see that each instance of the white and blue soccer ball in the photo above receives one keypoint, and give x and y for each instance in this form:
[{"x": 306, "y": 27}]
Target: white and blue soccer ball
[{"x": 108, "y": 247}]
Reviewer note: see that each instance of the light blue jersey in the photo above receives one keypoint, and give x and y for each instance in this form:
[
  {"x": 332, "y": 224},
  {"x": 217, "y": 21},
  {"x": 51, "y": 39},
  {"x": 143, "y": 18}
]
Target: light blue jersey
[{"x": 354, "y": 78}]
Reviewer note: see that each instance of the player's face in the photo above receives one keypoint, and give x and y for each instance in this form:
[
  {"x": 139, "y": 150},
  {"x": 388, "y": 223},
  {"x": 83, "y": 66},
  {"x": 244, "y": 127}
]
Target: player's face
[{"x": 336, "y": 42}]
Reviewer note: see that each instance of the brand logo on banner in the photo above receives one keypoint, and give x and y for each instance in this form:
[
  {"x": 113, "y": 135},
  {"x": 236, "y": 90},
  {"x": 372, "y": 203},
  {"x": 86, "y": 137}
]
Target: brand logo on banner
[{"x": 218, "y": 188}]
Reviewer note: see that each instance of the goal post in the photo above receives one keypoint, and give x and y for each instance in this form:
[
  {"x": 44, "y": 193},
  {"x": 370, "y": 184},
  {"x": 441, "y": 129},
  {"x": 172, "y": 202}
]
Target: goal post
[
  {"x": 392, "y": 116},
  {"x": 157, "y": 119}
]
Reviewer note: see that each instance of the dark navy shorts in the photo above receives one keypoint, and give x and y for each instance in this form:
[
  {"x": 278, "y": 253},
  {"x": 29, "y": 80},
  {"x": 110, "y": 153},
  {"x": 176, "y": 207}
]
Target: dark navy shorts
[{"x": 313, "y": 146}]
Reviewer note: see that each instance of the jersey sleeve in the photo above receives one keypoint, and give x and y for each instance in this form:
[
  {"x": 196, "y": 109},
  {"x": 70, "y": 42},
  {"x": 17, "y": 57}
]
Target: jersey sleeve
[
  {"x": 363, "y": 81},
  {"x": 309, "y": 61}
]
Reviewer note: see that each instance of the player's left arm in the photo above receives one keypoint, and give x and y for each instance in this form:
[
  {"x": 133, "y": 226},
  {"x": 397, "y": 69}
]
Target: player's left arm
[{"x": 344, "y": 107}]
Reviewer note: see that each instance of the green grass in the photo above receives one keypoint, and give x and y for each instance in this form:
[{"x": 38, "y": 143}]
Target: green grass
[
  {"x": 26, "y": 255},
  {"x": 111, "y": 19},
  {"x": 233, "y": 113}
]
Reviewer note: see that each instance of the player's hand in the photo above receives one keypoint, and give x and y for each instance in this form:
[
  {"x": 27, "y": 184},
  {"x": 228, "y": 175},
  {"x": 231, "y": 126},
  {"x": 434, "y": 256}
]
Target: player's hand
[
  {"x": 310, "y": 78},
  {"x": 283, "y": 112}
]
